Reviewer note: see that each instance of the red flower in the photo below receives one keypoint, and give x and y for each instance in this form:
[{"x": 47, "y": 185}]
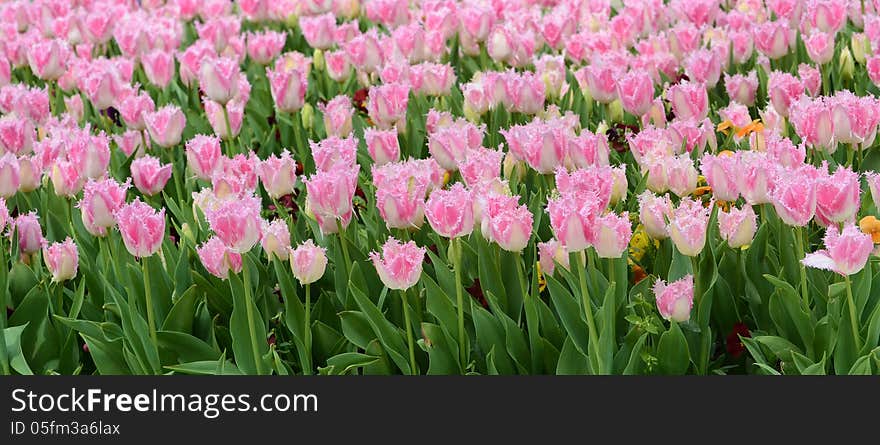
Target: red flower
[{"x": 735, "y": 346}]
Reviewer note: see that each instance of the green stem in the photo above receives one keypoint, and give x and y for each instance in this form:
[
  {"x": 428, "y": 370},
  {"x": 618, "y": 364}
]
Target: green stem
[
  {"x": 246, "y": 282},
  {"x": 854, "y": 321},
  {"x": 588, "y": 312},
  {"x": 307, "y": 329},
  {"x": 228, "y": 131},
  {"x": 344, "y": 244},
  {"x": 799, "y": 244},
  {"x": 459, "y": 300},
  {"x": 531, "y": 315},
  {"x": 409, "y": 334},
  {"x": 151, "y": 317}
]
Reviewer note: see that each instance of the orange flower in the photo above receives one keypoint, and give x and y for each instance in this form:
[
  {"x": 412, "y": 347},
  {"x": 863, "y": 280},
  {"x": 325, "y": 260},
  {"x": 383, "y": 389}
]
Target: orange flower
[
  {"x": 724, "y": 127},
  {"x": 638, "y": 273},
  {"x": 755, "y": 126},
  {"x": 871, "y": 226}
]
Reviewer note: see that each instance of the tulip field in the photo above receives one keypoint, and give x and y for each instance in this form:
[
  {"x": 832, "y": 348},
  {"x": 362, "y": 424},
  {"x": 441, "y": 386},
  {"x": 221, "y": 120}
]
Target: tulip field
[{"x": 361, "y": 187}]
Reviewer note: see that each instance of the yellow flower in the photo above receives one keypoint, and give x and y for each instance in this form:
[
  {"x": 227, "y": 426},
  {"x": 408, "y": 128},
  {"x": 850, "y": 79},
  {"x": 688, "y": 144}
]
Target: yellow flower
[{"x": 639, "y": 243}]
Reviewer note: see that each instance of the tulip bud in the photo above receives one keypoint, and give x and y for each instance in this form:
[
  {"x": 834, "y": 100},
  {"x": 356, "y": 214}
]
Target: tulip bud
[
  {"x": 308, "y": 116},
  {"x": 615, "y": 111},
  {"x": 846, "y": 65},
  {"x": 187, "y": 233},
  {"x": 318, "y": 60},
  {"x": 861, "y": 46}
]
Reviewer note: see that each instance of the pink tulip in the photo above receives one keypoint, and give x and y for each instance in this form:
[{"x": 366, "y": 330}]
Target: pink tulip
[
  {"x": 449, "y": 144},
  {"x": 131, "y": 141},
  {"x": 451, "y": 212},
  {"x": 16, "y": 135},
  {"x": 794, "y": 195},
  {"x": 400, "y": 264},
  {"x": 722, "y": 174},
  {"x": 873, "y": 68},
  {"x": 237, "y": 223},
  {"x": 263, "y": 47},
  {"x": 480, "y": 165},
  {"x": 218, "y": 79},
  {"x": 846, "y": 251},
  {"x": 338, "y": 66},
  {"x": 738, "y": 226},
  {"x": 783, "y": 151},
  {"x": 318, "y": 30},
  {"x": 654, "y": 211},
  {"x": 329, "y": 195},
  {"x": 66, "y": 178},
  {"x": 276, "y": 239},
  {"x": 382, "y": 145},
  {"x": 142, "y": 228},
  {"x": 753, "y": 173},
  {"x": 149, "y": 175},
  {"x": 687, "y": 226},
  {"x": 90, "y": 154},
  {"x": 811, "y": 78},
  {"x": 549, "y": 254},
  {"x": 838, "y": 195},
  {"x": 334, "y": 151},
  {"x": 783, "y": 89},
  {"x": 337, "y": 116},
  {"x": 203, "y": 155},
  {"x": 613, "y": 233},
  {"x": 166, "y": 125},
  {"x": 588, "y": 149},
  {"x": 133, "y": 109},
  {"x": 288, "y": 89},
  {"x": 506, "y": 223},
  {"x": 400, "y": 194},
  {"x": 742, "y": 88},
  {"x": 101, "y": 199},
  {"x": 387, "y": 104},
  {"x": 30, "y": 171},
  {"x": 812, "y": 120},
  {"x": 191, "y": 60},
  {"x": 601, "y": 80},
  {"x": 676, "y": 299},
  {"x": 703, "y": 66},
  {"x": 855, "y": 119},
  {"x": 743, "y": 45},
  {"x": 689, "y": 100},
  {"x": 541, "y": 144},
  {"x": 773, "y": 39},
  {"x": 681, "y": 175},
  {"x": 524, "y": 92},
  {"x": 278, "y": 174},
  {"x": 159, "y": 67},
  {"x": 10, "y": 175},
  {"x": 825, "y": 15},
  {"x": 874, "y": 185},
  {"x": 820, "y": 47},
  {"x": 636, "y": 92},
  {"x": 30, "y": 235},
  {"x": 364, "y": 51},
  {"x": 62, "y": 260},
  {"x": 219, "y": 259},
  {"x": 48, "y": 59},
  {"x": 308, "y": 262},
  {"x": 73, "y": 105},
  {"x": 214, "y": 113},
  {"x": 595, "y": 181},
  {"x": 573, "y": 220}
]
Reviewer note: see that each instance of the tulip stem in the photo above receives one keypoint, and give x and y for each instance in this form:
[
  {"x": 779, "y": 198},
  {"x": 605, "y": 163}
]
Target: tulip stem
[
  {"x": 307, "y": 332},
  {"x": 409, "y": 334},
  {"x": 344, "y": 245},
  {"x": 228, "y": 132},
  {"x": 854, "y": 321},
  {"x": 588, "y": 312},
  {"x": 531, "y": 314},
  {"x": 151, "y": 317},
  {"x": 246, "y": 283},
  {"x": 799, "y": 244},
  {"x": 459, "y": 300}
]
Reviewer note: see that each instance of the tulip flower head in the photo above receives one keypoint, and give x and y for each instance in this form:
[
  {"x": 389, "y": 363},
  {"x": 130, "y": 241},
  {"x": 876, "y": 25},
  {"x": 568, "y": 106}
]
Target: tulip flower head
[
  {"x": 62, "y": 260},
  {"x": 142, "y": 228},
  {"x": 676, "y": 299},
  {"x": 846, "y": 251},
  {"x": 308, "y": 262},
  {"x": 400, "y": 264}
]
